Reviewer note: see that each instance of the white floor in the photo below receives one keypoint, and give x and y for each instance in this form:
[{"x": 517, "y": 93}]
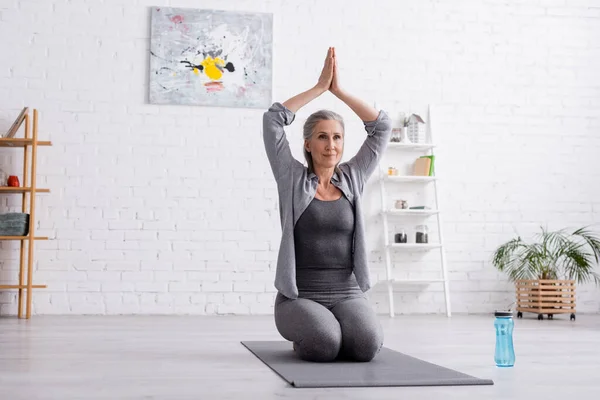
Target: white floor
[{"x": 170, "y": 357}]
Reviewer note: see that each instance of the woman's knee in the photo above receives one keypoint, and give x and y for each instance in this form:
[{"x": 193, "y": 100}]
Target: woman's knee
[
  {"x": 282, "y": 317},
  {"x": 320, "y": 344},
  {"x": 365, "y": 342},
  {"x": 316, "y": 333},
  {"x": 362, "y": 331}
]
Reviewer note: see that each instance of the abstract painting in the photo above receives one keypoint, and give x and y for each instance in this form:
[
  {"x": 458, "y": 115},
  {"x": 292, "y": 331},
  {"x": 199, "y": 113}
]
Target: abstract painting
[{"x": 210, "y": 58}]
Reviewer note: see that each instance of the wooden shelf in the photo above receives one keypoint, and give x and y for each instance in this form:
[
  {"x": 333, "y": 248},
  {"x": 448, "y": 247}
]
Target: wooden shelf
[
  {"x": 21, "y": 142},
  {"x": 22, "y": 286},
  {"x": 22, "y": 238},
  {"x": 10, "y": 189},
  {"x": 411, "y": 146},
  {"x": 30, "y": 144}
]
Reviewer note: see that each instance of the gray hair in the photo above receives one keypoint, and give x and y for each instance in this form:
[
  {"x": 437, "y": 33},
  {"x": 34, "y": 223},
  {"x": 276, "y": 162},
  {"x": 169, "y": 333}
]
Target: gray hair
[{"x": 309, "y": 127}]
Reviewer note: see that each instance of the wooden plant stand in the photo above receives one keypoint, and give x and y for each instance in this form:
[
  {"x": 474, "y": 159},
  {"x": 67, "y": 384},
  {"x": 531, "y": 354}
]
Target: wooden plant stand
[
  {"x": 545, "y": 296},
  {"x": 28, "y": 191}
]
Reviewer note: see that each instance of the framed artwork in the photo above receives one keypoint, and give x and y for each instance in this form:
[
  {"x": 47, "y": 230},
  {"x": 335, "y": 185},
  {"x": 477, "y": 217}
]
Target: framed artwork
[{"x": 211, "y": 58}]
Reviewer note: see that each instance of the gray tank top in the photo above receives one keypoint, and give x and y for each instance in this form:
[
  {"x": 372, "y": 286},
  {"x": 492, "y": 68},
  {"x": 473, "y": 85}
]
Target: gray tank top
[{"x": 323, "y": 239}]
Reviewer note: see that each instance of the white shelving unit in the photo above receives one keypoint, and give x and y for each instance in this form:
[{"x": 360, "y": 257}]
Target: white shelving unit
[
  {"x": 388, "y": 213},
  {"x": 409, "y": 179}
]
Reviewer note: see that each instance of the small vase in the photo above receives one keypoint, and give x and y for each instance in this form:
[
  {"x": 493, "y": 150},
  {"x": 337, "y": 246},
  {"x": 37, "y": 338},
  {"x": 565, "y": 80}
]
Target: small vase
[
  {"x": 13, "y": 181},
  {"x": 404, "y": 136}
]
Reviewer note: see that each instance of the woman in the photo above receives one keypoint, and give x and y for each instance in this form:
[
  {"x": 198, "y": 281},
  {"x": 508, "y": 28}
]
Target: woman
[{"x": 322, "y": 273}]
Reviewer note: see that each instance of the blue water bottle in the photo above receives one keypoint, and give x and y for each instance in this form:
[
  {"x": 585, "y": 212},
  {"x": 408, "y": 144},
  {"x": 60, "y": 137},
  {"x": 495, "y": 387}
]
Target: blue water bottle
[{"x": 505, "y": 352}]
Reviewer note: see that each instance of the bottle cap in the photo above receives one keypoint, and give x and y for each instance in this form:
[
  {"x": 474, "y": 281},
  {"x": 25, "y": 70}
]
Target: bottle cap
[{"x": 503, "y": 314}]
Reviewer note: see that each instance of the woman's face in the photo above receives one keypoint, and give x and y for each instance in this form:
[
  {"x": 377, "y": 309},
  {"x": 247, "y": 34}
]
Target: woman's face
[{"x": 326, "y": 144}]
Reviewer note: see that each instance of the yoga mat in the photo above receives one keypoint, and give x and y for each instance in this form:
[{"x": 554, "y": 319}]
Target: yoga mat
[{"x": 388, "y": 368}]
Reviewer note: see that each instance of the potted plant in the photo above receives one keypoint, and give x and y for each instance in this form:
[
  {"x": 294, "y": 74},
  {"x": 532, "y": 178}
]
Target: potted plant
[{"x": 545, "y": 271}]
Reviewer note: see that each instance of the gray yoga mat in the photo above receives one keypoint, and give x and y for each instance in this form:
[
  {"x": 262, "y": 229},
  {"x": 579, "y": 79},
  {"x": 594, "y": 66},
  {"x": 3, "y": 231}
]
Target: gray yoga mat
[{"x": 388, "y": 368}]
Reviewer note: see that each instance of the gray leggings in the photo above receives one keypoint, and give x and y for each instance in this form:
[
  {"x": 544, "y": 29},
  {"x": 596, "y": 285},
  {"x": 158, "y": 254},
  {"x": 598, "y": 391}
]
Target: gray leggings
[{"x": 348, "y": 330}]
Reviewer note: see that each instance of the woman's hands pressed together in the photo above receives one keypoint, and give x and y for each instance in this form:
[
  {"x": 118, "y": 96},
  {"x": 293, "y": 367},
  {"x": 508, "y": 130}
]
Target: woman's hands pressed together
[
  {"x": 326, "y": 77},
  {"x": 335, "y": 81},
  {"x": 329, "y": 80}
]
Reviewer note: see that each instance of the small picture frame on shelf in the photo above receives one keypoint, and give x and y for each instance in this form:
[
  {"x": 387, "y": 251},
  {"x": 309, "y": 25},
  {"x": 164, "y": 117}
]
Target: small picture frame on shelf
[{"x": 15, "y": 126}]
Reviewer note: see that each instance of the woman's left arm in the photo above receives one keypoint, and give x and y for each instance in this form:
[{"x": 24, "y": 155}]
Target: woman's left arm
[
  {"x": 379, "y": 130},
  {"x": 364, "y": 111},
  {"x": 377, "y": 124}
]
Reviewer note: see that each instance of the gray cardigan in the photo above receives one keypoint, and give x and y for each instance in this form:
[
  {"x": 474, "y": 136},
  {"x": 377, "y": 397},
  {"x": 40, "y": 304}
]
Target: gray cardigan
[{"x": 297, "y": 187}]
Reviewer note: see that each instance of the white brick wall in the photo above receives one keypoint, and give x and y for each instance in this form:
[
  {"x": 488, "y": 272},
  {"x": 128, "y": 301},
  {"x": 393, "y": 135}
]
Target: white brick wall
[{"x": 172, "y": 209}]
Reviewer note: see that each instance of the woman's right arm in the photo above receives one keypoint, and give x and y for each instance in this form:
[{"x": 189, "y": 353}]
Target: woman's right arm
[
  {"x": 302, "y": 99},
  {"x": 279, "y": 115},
  {"x": 276, "y": 144}
]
